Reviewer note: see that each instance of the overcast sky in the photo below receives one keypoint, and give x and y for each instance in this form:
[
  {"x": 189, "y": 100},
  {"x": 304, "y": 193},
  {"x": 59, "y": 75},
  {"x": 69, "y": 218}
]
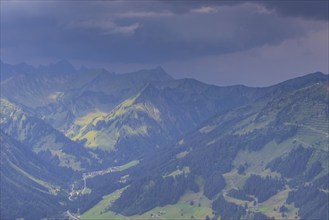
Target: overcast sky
[{"x": 255, "y": 43}]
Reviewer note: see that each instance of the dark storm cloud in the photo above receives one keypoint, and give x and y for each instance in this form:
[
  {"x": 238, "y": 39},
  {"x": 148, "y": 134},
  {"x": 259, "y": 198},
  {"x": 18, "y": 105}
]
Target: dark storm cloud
[
  {"x": 315, "y": 9},
  {"x": 139, "y": 32}
]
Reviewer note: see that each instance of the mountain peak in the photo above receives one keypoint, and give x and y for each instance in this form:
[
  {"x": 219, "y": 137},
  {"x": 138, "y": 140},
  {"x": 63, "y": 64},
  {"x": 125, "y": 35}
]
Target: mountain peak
[
  {"x": 156, "y": 74},
  {"x": 62, "y": 66},
  {"x": 149, "y": 92},
  {"x": 159, "y": 71},
  {"x": 149, "y": 87}
]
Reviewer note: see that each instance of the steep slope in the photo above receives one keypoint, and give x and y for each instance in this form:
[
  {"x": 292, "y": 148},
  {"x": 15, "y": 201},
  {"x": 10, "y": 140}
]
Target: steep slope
[
  {"x": 161, "y": 112},
  {"x": 35, "y": 87},
  {"x": 42, "y": 89},
  {"x": 158, "y": 114},
  {"x": 101, "y": 95},
  {"x": 41, "y": 138},
  {"x": 137, "y": 125},
  {"x": 202, "y": 149},
  {"x": 278, "y": 144},
  {"x": 59, "y": 93},
  {"x": 28, "y": 182},
  {"x": 8, "y": 71},
  {"x": 106, "y": 90},
  {"x": 98, "y": 92}
]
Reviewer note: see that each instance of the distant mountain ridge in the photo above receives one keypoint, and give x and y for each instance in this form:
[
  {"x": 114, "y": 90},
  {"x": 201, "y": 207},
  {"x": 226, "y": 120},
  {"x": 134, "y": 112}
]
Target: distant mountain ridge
[{"x": 179, "y": 147}]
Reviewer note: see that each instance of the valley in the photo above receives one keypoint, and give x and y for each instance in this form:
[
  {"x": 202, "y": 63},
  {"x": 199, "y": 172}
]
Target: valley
[
  {"x": 91, "y": 144},
  {"x": 76, "y": 192}
]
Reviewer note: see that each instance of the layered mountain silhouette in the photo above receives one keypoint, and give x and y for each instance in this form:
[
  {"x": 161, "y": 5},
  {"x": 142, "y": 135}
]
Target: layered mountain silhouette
[{"x": 145, "y": 145}]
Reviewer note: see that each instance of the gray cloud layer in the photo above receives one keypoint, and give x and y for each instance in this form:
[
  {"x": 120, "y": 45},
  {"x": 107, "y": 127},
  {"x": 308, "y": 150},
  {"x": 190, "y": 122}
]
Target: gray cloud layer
[
  {"x": 145, "y": 32},
  {"x": 315, "y": 9}
]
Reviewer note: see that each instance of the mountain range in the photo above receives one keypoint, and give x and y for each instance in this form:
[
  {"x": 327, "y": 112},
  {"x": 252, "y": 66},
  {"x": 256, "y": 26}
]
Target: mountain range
[{"x": 90, "y": 144}]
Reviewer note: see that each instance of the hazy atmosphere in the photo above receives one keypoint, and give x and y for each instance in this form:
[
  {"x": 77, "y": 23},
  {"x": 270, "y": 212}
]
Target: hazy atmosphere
[
  {"x": 164, "y": 109},
  {"x": 256, "y": 43}
]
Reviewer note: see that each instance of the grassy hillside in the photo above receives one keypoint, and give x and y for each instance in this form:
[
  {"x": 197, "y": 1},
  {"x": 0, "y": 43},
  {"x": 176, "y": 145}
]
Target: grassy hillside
[
  {"x": 156, "y": 115},
  {"x": 190, "y": 150},
  {"x": 281, "y": 139}
]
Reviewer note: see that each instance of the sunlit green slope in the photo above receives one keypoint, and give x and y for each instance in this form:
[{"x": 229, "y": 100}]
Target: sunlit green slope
[{"x": 269, "y": 158}]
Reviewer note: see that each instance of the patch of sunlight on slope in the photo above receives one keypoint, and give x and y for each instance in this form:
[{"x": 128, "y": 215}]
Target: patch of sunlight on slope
[
  {"x": 90, "y": 137},
  {"x": 129, "y": 105},
  {"x": 91, "y": 117},
  {"x": 107, "y": 138},
  {"x": 190, "y": 204},
  {"x": 105, "y": 141},
  {"x": 100, "y": 211},
  {"x": 80, "y": 125},
  {"x": 120, "y": 109},
  {"x": 99, "y": 139}
]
